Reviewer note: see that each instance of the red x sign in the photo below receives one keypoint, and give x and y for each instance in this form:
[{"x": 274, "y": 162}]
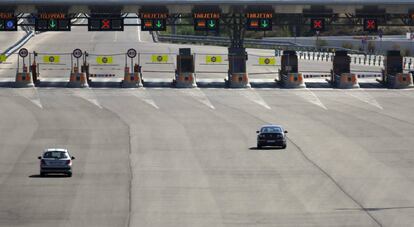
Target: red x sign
[
  {"x": 318, "y": 24},
  {"x": 370, "y": 25},
  {"x": 106, "y": 24}
]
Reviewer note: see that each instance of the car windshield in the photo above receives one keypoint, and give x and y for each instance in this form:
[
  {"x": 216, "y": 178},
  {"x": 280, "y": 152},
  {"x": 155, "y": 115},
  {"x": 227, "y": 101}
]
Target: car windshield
[
  {"x": 55, "y": 154},
  {"x": 271, "y": 130}
]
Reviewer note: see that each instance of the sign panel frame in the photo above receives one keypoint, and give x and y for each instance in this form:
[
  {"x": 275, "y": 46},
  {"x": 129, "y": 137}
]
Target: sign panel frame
[
  {"x": 106, "y": 23},
  {"x": 153, "y": 21},
  {"x": 8, "y": 22},
  {"x": 259, "y": 20},
  {"x": 52, "y": 22}
]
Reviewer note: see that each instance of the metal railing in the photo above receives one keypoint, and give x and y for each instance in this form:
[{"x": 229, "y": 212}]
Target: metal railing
[{"x": 260, "y": 43}]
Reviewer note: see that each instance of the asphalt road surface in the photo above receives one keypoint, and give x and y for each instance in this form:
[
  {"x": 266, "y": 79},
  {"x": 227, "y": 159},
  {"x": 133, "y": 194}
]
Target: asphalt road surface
[{"x": 188, "y": 157}]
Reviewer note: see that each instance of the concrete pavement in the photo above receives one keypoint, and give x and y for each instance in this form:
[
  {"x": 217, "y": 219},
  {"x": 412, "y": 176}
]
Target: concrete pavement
[{"x": 167, "y": 157}]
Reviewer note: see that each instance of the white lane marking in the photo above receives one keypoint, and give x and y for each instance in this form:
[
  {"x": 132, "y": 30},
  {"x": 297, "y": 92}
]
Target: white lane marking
[
  {"x": 253, "y": 96},
  {"x": 143, "y": 95},
  {"x": 116, "y": 37},
  {"x": 198, "y": 95},
  {"x": 92, "y": 37},
  {"x": 363, "y": 96},
  {"x": 139, "y": 30},
  {"x": 88, "y": 95},
  {"x": 310, "y": 97},
  {"x": 30, "y": 94},
  {"x": 6, "y": 80}
]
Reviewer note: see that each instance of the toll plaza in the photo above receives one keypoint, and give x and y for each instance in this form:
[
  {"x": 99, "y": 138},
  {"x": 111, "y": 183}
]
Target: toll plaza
[
  {"x": 289, "y": 76},
  {"x": 341, "y": 76},
  {"x": 393, "y": 75}
]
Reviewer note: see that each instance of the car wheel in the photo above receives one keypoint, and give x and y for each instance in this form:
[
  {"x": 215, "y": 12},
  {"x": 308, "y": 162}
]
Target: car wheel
[
  {"x": 284, "y": 147},
  {"x": 69, "y": 174},
  {"x": 259, "y": 146},
  {"x": 42, "y": 174}
]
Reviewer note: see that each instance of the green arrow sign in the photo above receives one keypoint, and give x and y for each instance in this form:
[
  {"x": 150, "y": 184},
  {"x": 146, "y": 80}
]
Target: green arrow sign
[
  {"x": 158, "y": 24},
  {"x": 265, "y": 23},
  {"x": 52, "y": 24},
  {"x": 211, "y": 23}
]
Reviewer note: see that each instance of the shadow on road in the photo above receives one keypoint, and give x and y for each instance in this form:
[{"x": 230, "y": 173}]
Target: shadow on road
[
  {"x": 265, "y": 148},
  {"x": 48, "y": 176}
]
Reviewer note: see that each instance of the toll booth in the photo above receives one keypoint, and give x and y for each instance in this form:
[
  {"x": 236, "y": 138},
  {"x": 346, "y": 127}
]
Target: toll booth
[
  {"x": 341, "y": 76},
  {"x": 393, "y": 75},
  {"x": 133, "y": 72},
  {"x": 184, "y": 74},
  {"x": 237, "y": 74},
  {"x": 23, "y": 76},
  {"x": 289, "y": 76}
]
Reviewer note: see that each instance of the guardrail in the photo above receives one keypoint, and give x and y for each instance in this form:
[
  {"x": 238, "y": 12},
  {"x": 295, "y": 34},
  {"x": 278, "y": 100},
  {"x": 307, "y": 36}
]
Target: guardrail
[
  {"x": 262, "y": 43},
  {"x": 304, "y": 52}
]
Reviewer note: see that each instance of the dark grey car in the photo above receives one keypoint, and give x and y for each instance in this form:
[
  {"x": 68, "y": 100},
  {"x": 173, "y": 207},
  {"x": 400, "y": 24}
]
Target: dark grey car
[
  {"x": 271, "y": 135},
  {"x": 56, "y": 160}
]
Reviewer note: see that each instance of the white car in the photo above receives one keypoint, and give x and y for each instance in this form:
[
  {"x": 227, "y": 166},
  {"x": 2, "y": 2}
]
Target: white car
[{"x": 56, "y": 160}]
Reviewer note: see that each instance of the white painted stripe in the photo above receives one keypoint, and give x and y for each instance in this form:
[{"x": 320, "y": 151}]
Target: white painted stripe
[
  {"x": 88, "y": 95},
  {"x": 363, "y": 96},
  {"x": 253, "y": 96},
  {"x": 30, "y": 94},
  {"x": 198, "y": 95},
  {"x": 7, "y": 80},
  {"x": 310, "y": 97},
  {"x": 143, "y": 95},
  {"x": 139, "y": 30}
]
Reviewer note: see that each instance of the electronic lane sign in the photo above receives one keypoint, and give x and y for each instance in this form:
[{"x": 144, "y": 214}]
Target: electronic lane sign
[
  {"x": 259, "y": 21},
  {"x": 206, "y": 21},
  {"x": 105, "y": 23},
  {"x": 153, "y": 21},
  {"x": 52, "y": 22},
  {"x": 8, "y": 22},
  {"x": 317, "y": 24},
  {"x": 370, "y": 24}
]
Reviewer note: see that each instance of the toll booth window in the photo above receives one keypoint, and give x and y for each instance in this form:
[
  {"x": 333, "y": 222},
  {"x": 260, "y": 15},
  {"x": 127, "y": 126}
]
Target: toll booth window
[
  {"x": 237, "y": 64},
  {"x": 186, "y": 65}
]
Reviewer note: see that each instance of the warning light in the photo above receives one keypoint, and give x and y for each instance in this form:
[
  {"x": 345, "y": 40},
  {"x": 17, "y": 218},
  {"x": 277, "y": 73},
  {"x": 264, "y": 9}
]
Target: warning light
[
  {"x": 370, "y": 25},
  {"x": 254, "y": 23},
  {"x": 259, "y": 21},
  {"x": 201, "y": 24},
  {"x": 10, "y": 25},
  {"x": 106, "y": 24},
  {"x": 318, "y": 25},
  {"x": 148, "y": 23}
]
